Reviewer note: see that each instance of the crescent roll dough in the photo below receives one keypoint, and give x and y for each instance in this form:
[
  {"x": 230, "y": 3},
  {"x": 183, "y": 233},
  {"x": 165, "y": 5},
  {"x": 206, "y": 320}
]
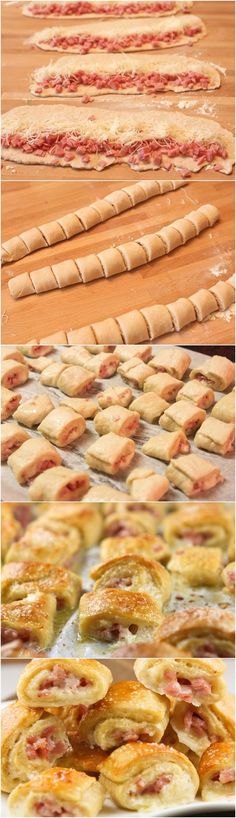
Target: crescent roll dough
[
  {"x": 198, "y": 393},
  {"x": 57, "y": 790},
  {"x": 149, "y": 406},
  {"x": 12, "y": 437},
  {"x": 149, "y": 777},
  {"x": 117, "y": 419},
  {"x": 122, "y": 8},
  {"x": 133, "y": 573},
  {"x": 197, "y": 565},
  {"x": 57, "y": 123},
  {"x": 182, "y": 416},
  {"x": 9, "y": 402},
  {"x": 173, "y": 360},
  {"x": 28, "y": 621},
  {"x": 110, "y": 615},
  {"x": 127, "y": 713},
  {"x": 217, "y": 771},
  {"x": 198, "y": 681},
  {"x": 198, "y": 727},
  {"x": 200, "y": 632},
  {"x": 164, "y": 385},
  {"x": 55, "y": 682},
  {"x": 59, "y": 483},
  {"x": 62, "y": 426},
  {"x": 33, "y": 457},
  {"x": 22, "y": 578},
  {"x": 48, "y": 541},
  {"x": 31, "y": 743},
  {"x": 115, "y": 396},
  {"x": 146, "y": 484},
  {"x": 84, "y": 406},
  {"x": 217, "y": 372}
]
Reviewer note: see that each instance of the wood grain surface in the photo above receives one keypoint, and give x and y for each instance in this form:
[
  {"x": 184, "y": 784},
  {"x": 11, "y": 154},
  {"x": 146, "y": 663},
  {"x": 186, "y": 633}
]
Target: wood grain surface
[
  {"x": 19, "y": 60},
  {"x": 181, "y": 273},
  {"x": 73, "y": 456}
]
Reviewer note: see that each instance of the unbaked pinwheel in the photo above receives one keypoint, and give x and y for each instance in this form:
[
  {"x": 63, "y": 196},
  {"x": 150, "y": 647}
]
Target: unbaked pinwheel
[
  {"x": 13, "y": 373},
  {"x": 12, "y": 437},
  {"x": 217, "y": 372},
  {"x": 56, "y": 682},
  {"x": 59, "y": 483},
  {"x": 33, "y": 457},
  {"x": 224, "y": 408},
  {"x": 9, "y": 402},
  {"x": 193, "y": 474}
]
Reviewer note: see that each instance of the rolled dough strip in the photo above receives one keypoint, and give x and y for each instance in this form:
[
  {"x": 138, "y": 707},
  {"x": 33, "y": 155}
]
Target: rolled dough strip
[
  {"x": 204, "y": 303},
  {"x": 133, "y": 254},
  {"x": 158, "y": 320},
  {"x": 115, "y": 260},
  {"x": 107, "y": 329},
  {"x": 133, "y": 326},
  {"x": 96, "y": 9},
  {"x": 223, "y": 292},
  {"x": 182, "y": 313},
  {"x": 18, "y": 246},
  {"x": 90, "y": 268}
]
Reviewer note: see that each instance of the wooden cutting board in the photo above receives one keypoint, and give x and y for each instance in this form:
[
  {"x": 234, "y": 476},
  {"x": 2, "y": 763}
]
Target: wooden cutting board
[
  {"x": 19, "y": 60},
  {"x": 184, "y": 271}
]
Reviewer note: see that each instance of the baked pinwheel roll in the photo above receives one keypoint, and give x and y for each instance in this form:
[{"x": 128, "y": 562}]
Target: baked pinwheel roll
[
  {"x": 149, "y": 406},
  {"x": 12, "y": 437},
  {"x": 115, "y": 396},
  {"x": 166, "y": 445},
  {"x": 197, "y": 565},
  {"x": 56, "y": 682},
  {"x": 198, "y": 393},
  {"x": 148, "y": 545},
  {"x": 224, "y": 409},
  {"x": 86, "y": 520},
  {"x": 84, "y": 406},
  {"x": 149, "y": 776},
  {"x": 206, "y": 524},
  {"x": 134, "y": 573},
  {"x": 57, "y": 792},
  {"x": 110, "y": 615},
  {"x": 103, "y": 365},
  {"x": 62, "y": 426},
  {"x": 173, "y": 360},
  {"x": 49, "y": 541},
  {"x": 164, "y": 385},
  {"x": 31, "y": 742},
  {"x": 59, "y": 483},
  {"x": 33, "y": 457},
  {"x": 22, "y": 578},
  {"x": 9, "y": 402},
  {"x": 197, "y": 681},
  {"x": 217, "y": 372},
  {"x": 127, "y": 713},
  {"x": 75, "y": 379},
  {"x": 28, "y": 621},
  {"x": 205, "y": 632},
  {"x": 130, "y": 519},
  {"x": 193, "y": 474},
  {"x": 228, "y": 576},
  {"x": 198, "y": 727},
  {"x": 182, "y": 416},
  {"x": 117, "y": 419},
  {"x": 146, "y": 484},
  {"x": 14, "y": 373},
  {"x": 31, "y": 412},
  {"x": 110, "y": 453},
  {"x": 11, "y": 529},
  {"x": 215, "y": 436},
  {"x": 217, "y": 771}
]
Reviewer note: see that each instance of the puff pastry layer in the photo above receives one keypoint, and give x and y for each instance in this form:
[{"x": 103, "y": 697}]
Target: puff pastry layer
[
  {"x": 55, "y": 682},
  {"x": 57, "y": 790}
]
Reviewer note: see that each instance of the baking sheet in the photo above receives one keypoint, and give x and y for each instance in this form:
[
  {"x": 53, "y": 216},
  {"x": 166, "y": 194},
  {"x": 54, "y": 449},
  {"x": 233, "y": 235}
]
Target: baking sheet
[{"x": 73, "y": 456}]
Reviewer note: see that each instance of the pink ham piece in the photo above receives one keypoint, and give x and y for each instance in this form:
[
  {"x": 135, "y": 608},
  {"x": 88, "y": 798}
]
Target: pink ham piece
[
  {"x": 58, "y": 677},
  {"x": 224, "y": 776},
  {"x": 115, "y": 632},
  {"x": 195, "y": 537},
  {"x": 155, "y": 787},
  {"x": 183, "y": 688},
  {"x": 192, "y": 721},
  {"x": 122, "y": 737},
  {"x": 9, "y": 635},
  {"x": 45, "y": 746},
  {"x": 49, "y": 806}
]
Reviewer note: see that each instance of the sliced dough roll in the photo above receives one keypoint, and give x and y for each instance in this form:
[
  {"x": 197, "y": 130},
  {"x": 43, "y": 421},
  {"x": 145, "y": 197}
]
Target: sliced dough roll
[
  {"x": 62, "y": 130},
  {"x": 111, "y": 615},
  {"x": 131, "y": 35},
  {"x": 65, "y": 790},
  {"x": 141, "y": 73},
  {"x": 54, "y": 682},
  {"x": 199, "y": 681},
  {"x": 133, "y": 573},
  {"x": 198, "y": 727},
  {"x": 217, "y": 771},
  {"x": 200, "y": 632}
]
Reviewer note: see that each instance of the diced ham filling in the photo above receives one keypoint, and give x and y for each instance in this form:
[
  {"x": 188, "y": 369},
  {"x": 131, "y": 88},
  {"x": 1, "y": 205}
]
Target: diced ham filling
[
  {"x": 115, "y": 632},
  {"x": 207, "y": 650},
  {"x": 122, "y": 582},
  {"x": 195, "y": 537},
  {"x": 10, "y": 635},
  {"x": 224, "y": 776},
  {"x": 12, "y": 380},
  {"x": 8, "y": 448},
  {"x": 121, "y": 529},
  {"x": 46, "y": 746},
  {"x": 184, "y": 688},
  {"x": 49, "y": 806},
  {"x": 84, "y": 43},
  {"x": 69, "y": 146},
  {"x": 122, "y": 736},
  {"x": 231, "y": 577},
  {"x": 194, "y": 722},
  {"x": 154, "y": 788},
  {"x": 84, "y": 8},
  {"x": 58, "y": 677},
  {"x": 149, "y": 83},
  {"x": 72, "y": 487}
]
